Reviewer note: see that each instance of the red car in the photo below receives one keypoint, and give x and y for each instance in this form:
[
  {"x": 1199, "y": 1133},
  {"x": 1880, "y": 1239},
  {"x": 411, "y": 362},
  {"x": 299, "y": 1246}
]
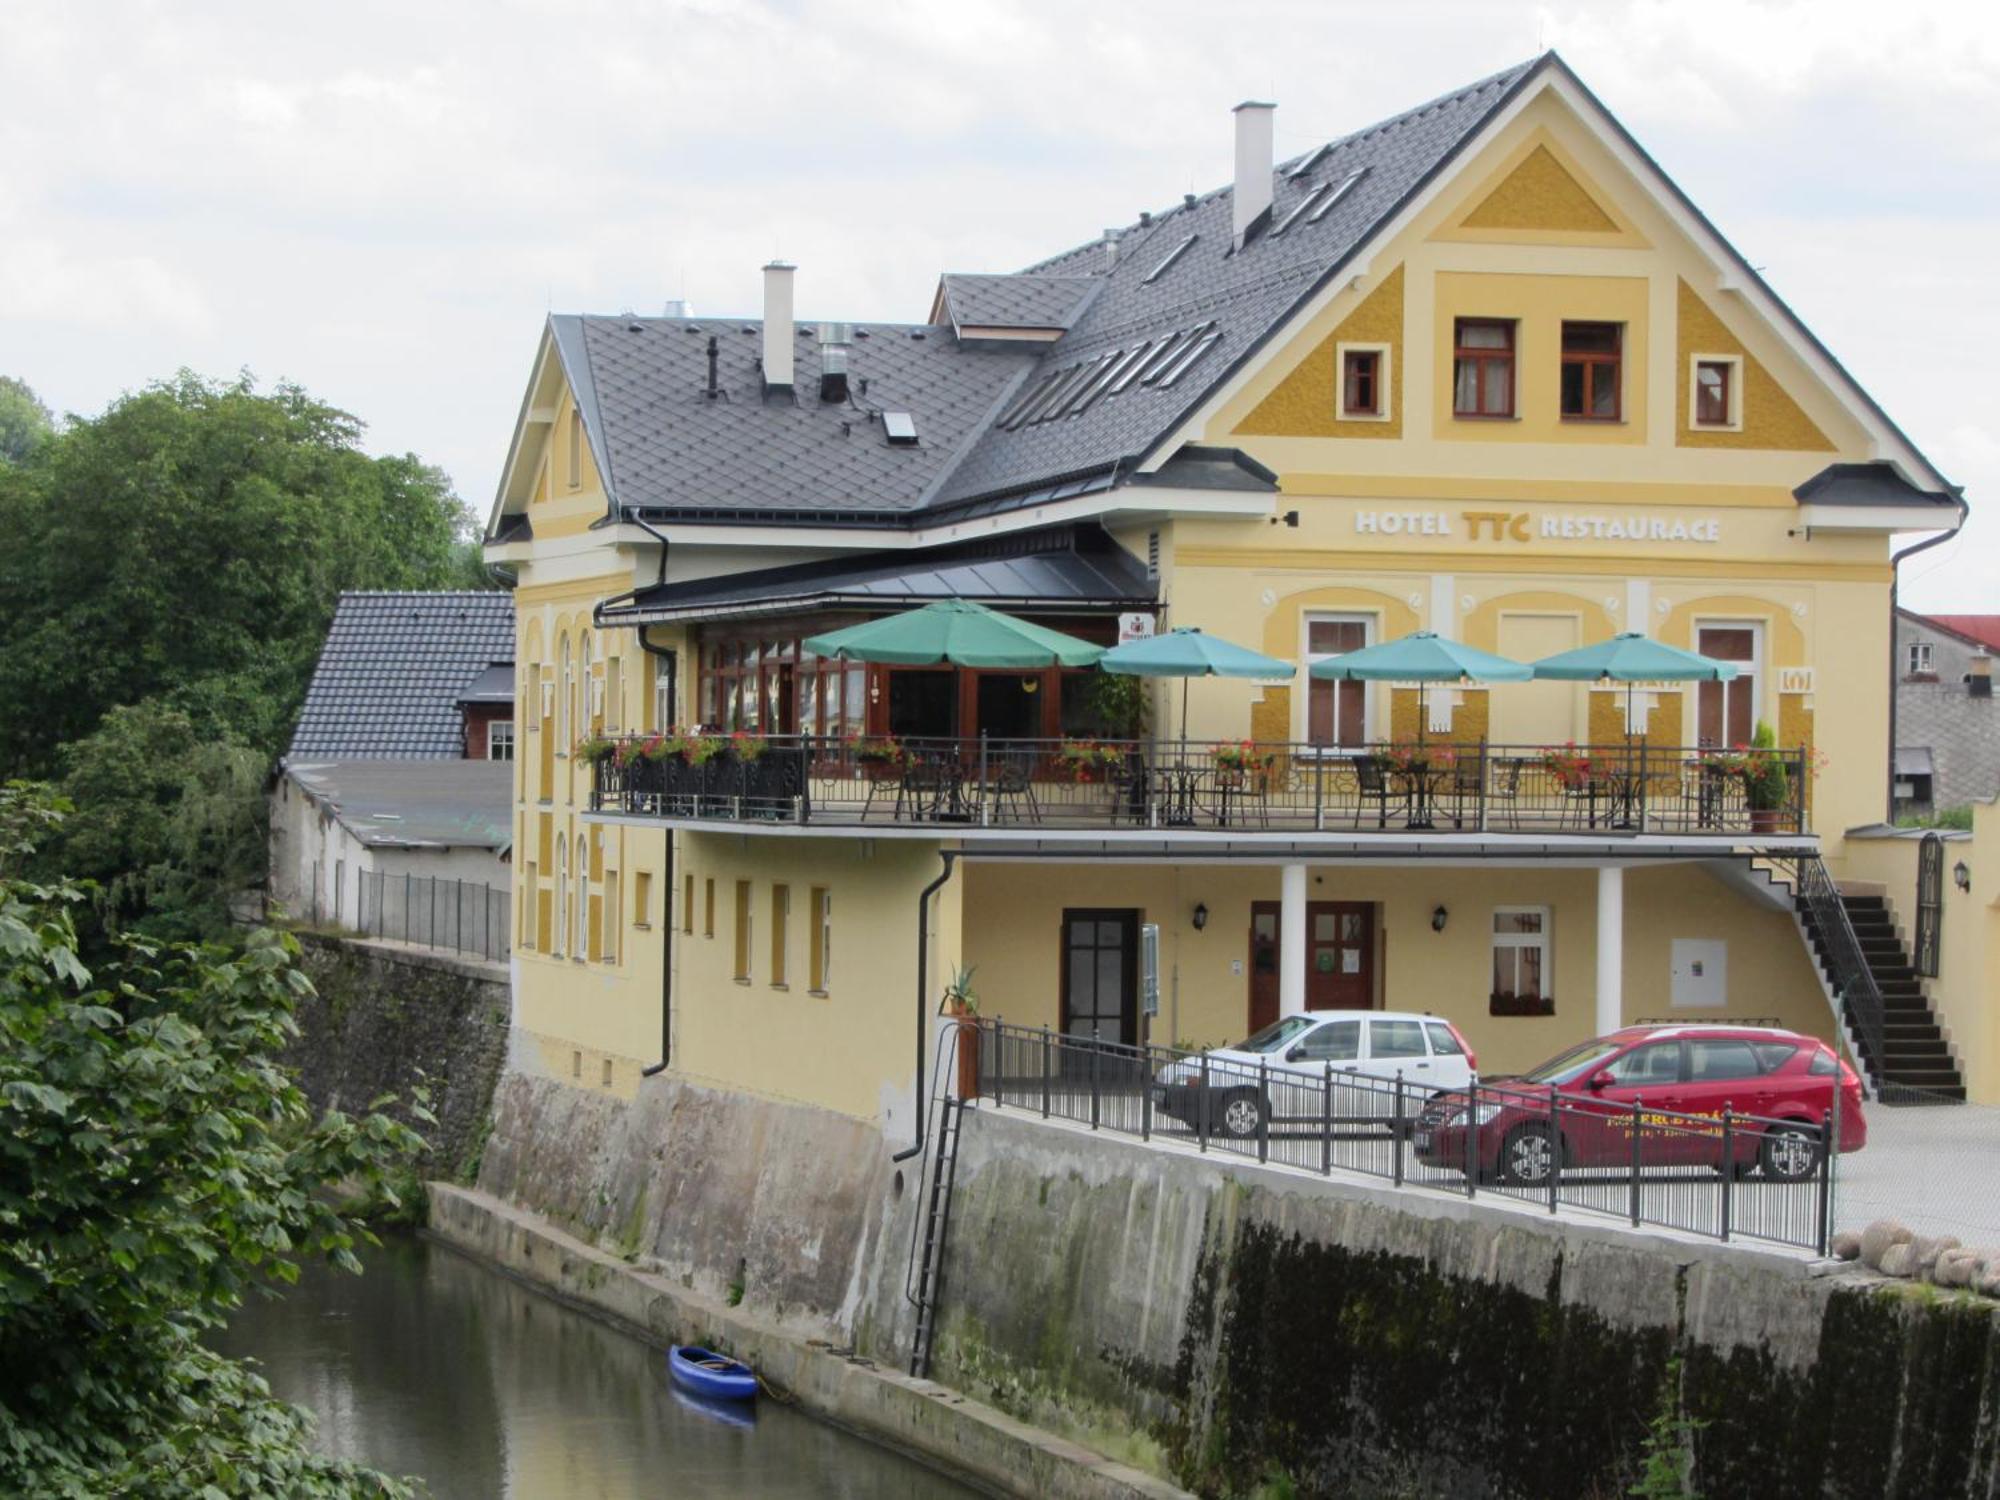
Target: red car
[{"x": 1668, "y": 1084}]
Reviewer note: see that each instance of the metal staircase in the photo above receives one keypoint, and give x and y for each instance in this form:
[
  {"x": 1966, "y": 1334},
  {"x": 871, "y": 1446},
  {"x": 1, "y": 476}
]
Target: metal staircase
[
  {"x": 1896, "y": 1037},
  {"x": 923, "y": 1280}
]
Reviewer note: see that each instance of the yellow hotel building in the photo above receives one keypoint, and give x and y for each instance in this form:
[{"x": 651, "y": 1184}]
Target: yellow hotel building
[{"x": 1480, "y": 369}]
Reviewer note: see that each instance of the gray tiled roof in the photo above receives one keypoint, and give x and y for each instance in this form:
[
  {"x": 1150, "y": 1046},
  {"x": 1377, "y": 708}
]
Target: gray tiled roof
[
  {"x": 668, "y": 446},
  {"x": 389, "y": 677},
  {"x": 1054, "y": 569},
  {"x": 426, "y": 804},
  {"x": 1015, "y": 301},
  {"x": 1875, "y": 483}
]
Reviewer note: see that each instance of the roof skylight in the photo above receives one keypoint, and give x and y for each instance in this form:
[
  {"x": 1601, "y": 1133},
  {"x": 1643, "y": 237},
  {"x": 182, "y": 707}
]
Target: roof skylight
[
  {"x": 1167, "y": 265},
  {"x": 899, "y": 427},
  {"x": 1326, "y": 205}
]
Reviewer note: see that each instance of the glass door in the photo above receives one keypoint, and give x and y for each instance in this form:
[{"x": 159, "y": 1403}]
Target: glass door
[{"x": 1100, "y": 972}]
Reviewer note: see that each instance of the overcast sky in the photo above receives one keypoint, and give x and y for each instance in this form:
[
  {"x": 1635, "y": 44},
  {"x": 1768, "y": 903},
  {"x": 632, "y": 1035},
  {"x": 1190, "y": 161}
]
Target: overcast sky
[{"x": 380, "y": 201}]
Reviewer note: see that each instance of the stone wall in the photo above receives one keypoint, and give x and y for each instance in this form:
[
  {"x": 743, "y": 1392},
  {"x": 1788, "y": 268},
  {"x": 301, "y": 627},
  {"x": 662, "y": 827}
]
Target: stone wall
[{"x": 386, "y": 1018}]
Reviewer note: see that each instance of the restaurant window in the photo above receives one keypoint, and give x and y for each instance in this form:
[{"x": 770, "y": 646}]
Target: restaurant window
[
  {"x": 1362, "y": 382},
  {"x": 781, "y": 934},
  {"x": 1591, "y": 353},
  {"x": 1483, "y": 368},
  {"x": 819, "y": 941},
  {"x": 1726, "y": 712},
  {"x": 1717, "y": 384},
  {"x": 773, "y": 685},
  {"x": 1336, "y": 712},
  {"x": 1521, "y": 977}
]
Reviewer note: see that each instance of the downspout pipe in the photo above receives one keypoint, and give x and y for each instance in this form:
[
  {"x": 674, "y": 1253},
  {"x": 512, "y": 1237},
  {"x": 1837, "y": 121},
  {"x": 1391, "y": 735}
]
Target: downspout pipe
[
  {"x": 1895, "y": 584},
  {"x": 923, "y": 992},
  {"x": 672, "y": 660}
]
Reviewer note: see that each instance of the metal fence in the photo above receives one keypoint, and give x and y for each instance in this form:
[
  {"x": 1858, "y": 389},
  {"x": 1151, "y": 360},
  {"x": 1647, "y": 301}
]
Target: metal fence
[
  {"x": 1722, "y": 1176},
  {"x": 461, "y": 916}
]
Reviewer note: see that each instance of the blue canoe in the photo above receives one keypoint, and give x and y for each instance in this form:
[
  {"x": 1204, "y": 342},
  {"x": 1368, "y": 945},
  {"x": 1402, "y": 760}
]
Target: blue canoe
[{"x": 706, "y": 1373}]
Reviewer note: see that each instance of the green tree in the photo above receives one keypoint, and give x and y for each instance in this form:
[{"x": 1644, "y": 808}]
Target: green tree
[
  {"x": 169, "y": 823},
  {"x": 24, "y": 421},
  {"x": 156, "y": 1165},
  {"x": 190, "y": 544}
]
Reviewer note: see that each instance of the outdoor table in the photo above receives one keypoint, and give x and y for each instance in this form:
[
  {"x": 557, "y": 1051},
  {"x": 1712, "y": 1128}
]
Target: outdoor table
[{"x": 1419, "y": 782}]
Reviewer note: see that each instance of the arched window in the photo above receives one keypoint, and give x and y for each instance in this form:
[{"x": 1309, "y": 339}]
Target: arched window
[
  {"x": 586, "y": 712},
  {"x": 563, "y": 719},
  {"x": 563, "y": 897},
  {"x": 582, "y": 946}
]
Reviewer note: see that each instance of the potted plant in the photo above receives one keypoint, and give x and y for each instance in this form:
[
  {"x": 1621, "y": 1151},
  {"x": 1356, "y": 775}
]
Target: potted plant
[
  {"x": 879, "y": 757},
  {"x": 747, "y": 745},
  {"x": 594, "y": 749},
  {"x": 1087, "y": 760},
  {"x": 699, "y": 749},
  {"x": 1568, "y": 767},
  {"x": 1767, "y": 785},
  {"x": 1242, "y": 756},
  {"x": 961, "y": 1004}
]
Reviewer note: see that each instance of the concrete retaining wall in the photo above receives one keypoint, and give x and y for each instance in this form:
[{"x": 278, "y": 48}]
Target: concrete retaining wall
[
  {"x": 1224, "y": 1326},
  {"x": 386, "y": 1018}
]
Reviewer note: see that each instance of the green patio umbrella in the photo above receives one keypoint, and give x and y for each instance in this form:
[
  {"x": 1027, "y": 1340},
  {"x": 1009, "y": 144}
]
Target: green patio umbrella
[
  {"x": 1186, "y": 652},
  {"x": 1421, "y": 657},
  {"x": 1630, "y": 657},
  {"x": 959, "y": 632}
]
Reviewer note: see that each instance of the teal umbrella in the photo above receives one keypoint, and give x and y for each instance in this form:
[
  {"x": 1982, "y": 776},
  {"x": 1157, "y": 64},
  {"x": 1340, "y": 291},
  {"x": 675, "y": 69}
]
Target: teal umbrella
[
  {"x": 1630, "y": 657},
  {"x": 1186, "y": 652},
  {"x": 1421, "y": 657},
  {"x": 959, "y": 632}
]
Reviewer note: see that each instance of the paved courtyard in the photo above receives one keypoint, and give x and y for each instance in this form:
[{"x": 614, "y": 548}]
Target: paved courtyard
[{"x": 1937, "y": 1168}]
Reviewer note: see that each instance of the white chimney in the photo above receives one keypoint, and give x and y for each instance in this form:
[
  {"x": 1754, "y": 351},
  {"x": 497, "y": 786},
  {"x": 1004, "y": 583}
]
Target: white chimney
[
  {"x": 778, "y": 335},
  {"x": 1253, "y": 165}
]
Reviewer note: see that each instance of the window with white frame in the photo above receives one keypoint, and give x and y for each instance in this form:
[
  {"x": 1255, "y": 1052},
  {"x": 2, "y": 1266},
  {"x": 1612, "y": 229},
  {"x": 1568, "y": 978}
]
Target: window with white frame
[
  {"x": 587, "y": 686},
  {"x": 1715, "y": 392},
  {"x": 1364, "y": 382},
  {"x": 500, "y": 739},
  {"x": 1522, "y": 979},
  {"x": 581, "y": 946},
  {"x": 663, "y": 694},
  {"x": 1920, "y": 659},
  {"x": 1336, "y": 712},
  {"x": 560, "y": 945},
  {"x": 563, "y": 698},
  {"x": 613, "y": 692}
]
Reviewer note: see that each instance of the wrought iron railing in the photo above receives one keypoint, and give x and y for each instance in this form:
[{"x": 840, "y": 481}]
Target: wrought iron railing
[
  {"x": 1629, "y": 788},
  {"x": 1725, "y": 1176},
  {"x": 1845, "y": 964},
  {"x": 459, "y": 916}
]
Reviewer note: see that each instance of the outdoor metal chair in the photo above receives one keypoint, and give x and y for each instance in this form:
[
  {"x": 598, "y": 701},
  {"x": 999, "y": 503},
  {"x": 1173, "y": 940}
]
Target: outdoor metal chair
[
  {"x": 1371, "y": 784},
  {"x": 1503, "y": 788},
  {"x": 1012, "y": 777}
]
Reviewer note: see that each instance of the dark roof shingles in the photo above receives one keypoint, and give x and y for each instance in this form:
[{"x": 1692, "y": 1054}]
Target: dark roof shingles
[{"x": 391, "y": 671}]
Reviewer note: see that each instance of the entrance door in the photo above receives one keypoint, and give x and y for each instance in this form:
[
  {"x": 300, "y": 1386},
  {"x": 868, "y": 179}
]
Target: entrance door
[
  {"x": 1340, "y": 958},
  {"x": 1100, "y": 975}
]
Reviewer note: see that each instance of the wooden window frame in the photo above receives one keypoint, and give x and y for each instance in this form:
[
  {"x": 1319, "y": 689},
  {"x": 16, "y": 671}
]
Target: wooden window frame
[
  {"x": 1371, "y": 632},
  {"x": 1591, "y": 362},
  {"x": 1732, "y": 390},
  {"x": 1380, "y": 355},
  {"x": 1481, "y": 357}
]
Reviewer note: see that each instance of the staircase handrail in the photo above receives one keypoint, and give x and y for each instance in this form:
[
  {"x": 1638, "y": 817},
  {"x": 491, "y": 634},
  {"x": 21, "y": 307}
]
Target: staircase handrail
[{"x": 1847, "y": 968}]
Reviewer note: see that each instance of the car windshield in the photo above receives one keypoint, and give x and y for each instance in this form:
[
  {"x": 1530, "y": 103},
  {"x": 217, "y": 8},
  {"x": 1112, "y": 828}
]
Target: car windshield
[
  {"x": 1276, "y": 1036},
  {"x": 1567, "y": 1067}
]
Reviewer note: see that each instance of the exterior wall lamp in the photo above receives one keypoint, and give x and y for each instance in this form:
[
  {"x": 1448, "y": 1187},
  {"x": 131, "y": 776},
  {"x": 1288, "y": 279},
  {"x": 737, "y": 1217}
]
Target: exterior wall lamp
[
  {"x": 1439, "y": 918},
  {"x": 1201, "y": 914},
  {"x": 1961, "y": 875}
]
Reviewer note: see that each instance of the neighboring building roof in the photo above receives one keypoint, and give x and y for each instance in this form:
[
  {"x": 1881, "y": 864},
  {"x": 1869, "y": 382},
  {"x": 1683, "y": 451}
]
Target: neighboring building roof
[
  {"x": 389, "y": 677},
  {"x": 1047, "y": 571},
  {"x": 494, "y": 685},
  {"x": 1913, "y": 760},
  {"x": 1024, "y": 301},
  {"x": 1982, "y": 631},
  {"x": 1872, "y": 484},
  {"x": 425, "y": 804}
]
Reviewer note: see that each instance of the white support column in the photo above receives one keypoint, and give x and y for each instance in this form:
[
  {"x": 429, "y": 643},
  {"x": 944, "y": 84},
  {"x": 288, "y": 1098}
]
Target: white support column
[
  {"x": 1292, "y": 940},
  {"x": 1610, "y": 948}
]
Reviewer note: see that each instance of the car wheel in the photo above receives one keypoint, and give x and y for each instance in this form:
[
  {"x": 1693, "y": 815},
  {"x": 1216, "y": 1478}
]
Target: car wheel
[
  {"x": 1244, "y": 1113},
  {"x": 1789, "y": 1153},
  {"x": 1527, "y": 1156}
]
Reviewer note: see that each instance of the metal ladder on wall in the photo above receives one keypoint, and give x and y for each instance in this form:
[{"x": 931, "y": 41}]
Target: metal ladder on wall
[{"x": 924, "y": 1276}]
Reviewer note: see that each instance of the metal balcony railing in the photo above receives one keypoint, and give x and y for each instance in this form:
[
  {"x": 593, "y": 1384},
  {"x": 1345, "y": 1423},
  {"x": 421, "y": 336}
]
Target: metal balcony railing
[{"x": 1205, "y": 785}]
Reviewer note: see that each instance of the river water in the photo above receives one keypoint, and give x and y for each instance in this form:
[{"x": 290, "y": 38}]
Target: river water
[{"x": 432, "y": 1365}]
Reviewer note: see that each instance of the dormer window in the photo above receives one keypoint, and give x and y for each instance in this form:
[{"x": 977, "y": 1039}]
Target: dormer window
[{"x": 1591, "y": 356}]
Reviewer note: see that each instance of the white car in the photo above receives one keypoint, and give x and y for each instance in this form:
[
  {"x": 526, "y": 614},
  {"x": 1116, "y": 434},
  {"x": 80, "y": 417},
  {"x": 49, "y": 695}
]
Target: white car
[{"x": 1281, "y": 1074}]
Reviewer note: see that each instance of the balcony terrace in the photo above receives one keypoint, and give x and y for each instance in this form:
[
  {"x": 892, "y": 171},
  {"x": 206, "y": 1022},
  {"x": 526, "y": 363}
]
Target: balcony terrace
[{"x": 1199, "y": 787}]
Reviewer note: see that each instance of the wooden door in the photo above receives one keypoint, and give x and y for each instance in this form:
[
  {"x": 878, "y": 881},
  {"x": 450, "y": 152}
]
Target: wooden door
[
  {"x": 1100, "y": 974},
  {"x": 1340, "y": 958},
  {"x": 1726, "y": 712},
  {"x": 1340, "y": 955}
]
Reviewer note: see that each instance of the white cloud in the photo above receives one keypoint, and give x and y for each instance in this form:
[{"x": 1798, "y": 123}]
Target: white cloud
[{"x": 381, "y": 200}]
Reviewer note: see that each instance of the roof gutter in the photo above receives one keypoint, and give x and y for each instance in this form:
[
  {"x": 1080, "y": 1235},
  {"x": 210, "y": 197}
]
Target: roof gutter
[{"x": 1895, "y": 585}]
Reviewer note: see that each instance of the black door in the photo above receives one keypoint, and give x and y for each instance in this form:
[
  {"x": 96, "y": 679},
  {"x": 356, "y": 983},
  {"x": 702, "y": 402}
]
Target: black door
[{"x": 1100, "y": 975}]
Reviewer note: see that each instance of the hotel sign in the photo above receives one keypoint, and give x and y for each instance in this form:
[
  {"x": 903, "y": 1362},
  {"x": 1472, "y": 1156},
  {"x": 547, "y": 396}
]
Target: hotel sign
[{"x": 1525, "y": 526}]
